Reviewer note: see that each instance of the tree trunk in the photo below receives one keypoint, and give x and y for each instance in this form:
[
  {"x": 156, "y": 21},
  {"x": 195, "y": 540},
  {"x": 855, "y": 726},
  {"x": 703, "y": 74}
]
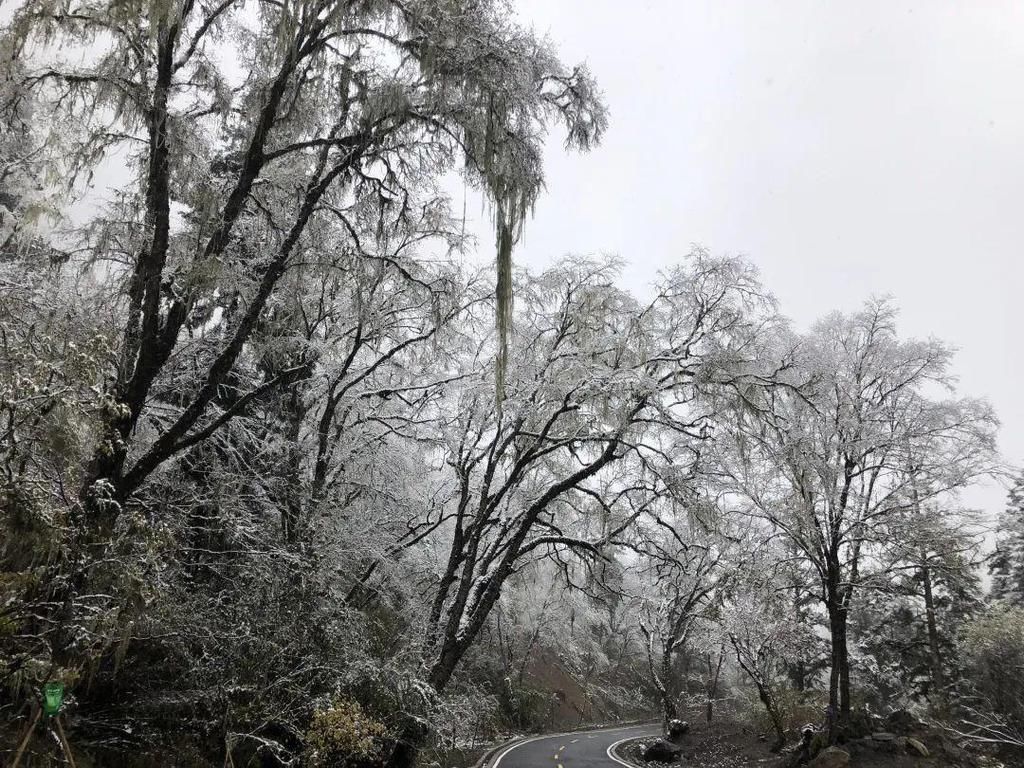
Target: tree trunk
[
  {"x": 713, "y": 675},
  {"x": 839, "y": 679},
  {"x": 668, "y": 708},
  {"x": 407, "y": 745},
  {"x": 774, "y": 716},
  {"x": 839, "y": 682},
  {"x": 938, "y": 682},
  {"x": 668, "y": 695}
]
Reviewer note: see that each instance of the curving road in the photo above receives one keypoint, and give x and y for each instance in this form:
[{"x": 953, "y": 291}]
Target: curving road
[{"x": 583, "y": 749}]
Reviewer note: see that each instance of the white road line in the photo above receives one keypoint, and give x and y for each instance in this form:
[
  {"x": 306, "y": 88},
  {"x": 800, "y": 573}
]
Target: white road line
[
  {"x": 611, "y": 753},
  {"x": 518, "y": 744}
]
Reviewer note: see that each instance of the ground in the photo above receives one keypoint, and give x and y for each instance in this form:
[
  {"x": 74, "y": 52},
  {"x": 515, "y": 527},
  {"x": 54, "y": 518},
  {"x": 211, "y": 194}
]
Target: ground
[
  {"x": 729, "y": 743},
  {"x": 725, "y": 743}
]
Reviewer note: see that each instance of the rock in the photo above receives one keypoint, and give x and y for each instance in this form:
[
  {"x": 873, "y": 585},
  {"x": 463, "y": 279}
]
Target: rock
[
  {"x": 833, "y": 757},
  {"x": 901, "y": 721},
  {"x": 677, "y": 729},
  {"x": 859, "y": 747},
  {"x": 886, "y": 742},
  {"x": 915, "y": 747},
  {"x": 661, "y": 751},
  {"x": 862, "y": 722},
  {"x": 954, "y": 754}
]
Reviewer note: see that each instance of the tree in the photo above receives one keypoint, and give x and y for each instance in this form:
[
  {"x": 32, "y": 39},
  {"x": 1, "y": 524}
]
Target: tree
[
  {"x": 922, "y": 589},
  {"x": 333, "y": 134},
  {"x": 22, "y": 191},
  {"x": 687, "y": 562},
  {"x": 758, "y": 626},
  {"x": 604, "y": 408},
  {"x": 328, "y": 121},
  {"x": 764, "y": 641},
  {"x": 993, "y": 649},
  {"x": 1007, "y": 562},
  {"x": 826, "y": 463}
]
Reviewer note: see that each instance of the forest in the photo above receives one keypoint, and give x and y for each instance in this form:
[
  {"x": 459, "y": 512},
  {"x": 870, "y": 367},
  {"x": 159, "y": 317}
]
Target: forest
[{"x": 296, "y": 472}]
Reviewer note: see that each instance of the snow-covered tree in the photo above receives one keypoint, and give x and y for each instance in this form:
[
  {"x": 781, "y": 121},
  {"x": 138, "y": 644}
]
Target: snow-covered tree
[
  {"x": 1007, "y": 562},
  {"x": 765, "y": 641},
  {"x": 267, "y": 148},
  {"x": 688, "y": 559},
  {"x": 827, "y": 462},
  {"x": 917, "y": 595}
]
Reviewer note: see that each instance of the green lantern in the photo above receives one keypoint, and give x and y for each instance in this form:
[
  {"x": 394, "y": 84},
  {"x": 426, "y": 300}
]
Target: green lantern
[{"x": 53, "y": 697}]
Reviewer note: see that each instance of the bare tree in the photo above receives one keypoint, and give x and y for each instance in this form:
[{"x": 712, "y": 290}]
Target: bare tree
[
  {"x": 687, "y": 559},
  {"x": 315, "y": 121},
  {"x": 598, "y": 383},
  {"x": 258, "y": 133},
  {"x": 826, "y": 464}
]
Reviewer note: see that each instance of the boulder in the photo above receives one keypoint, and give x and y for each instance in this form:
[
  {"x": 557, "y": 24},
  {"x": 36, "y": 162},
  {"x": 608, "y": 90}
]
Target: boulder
[
  {"x": 662, "y": 751},
  {"x": 901, "y": 721},
  {"x": 862, "y": 722},
  {"x": 859, "y": 748},
  {"x": 677, "y": 729},
  {"x": 915, "y": 747},
  {"x": 833, "y": 757}
]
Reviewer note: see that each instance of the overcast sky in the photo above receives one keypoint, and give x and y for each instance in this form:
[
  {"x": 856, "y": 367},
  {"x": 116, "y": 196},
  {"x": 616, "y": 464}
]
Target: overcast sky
[{"x": 846, "y": 148}]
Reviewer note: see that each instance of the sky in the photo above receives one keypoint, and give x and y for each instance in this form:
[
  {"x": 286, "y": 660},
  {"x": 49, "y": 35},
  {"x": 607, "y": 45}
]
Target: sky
[{"x": 847, "y": 149}]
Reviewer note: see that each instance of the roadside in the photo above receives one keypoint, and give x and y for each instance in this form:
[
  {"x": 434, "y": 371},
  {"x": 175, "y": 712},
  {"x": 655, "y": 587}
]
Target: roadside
[
  {"x": 729, "y": 742},
  {"x": 724, "y": 743}
]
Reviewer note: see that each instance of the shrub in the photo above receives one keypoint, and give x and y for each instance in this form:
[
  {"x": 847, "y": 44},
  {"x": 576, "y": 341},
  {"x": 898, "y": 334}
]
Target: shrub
[
  {"x": 343, "y": 735},
  {"x": 992, "y": 652}
]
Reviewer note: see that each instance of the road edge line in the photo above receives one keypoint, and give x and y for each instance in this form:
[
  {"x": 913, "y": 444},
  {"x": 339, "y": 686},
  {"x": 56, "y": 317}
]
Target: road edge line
[
  {"x": 504, "y": 750},
  {"x": 611, "y": 752}
]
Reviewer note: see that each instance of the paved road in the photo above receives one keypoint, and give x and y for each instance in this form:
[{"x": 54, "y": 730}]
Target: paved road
[{"x": 583, "y": 749}]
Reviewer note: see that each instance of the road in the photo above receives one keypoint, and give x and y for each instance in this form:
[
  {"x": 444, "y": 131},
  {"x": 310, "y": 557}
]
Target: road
[{"x": 583, "y": 749}]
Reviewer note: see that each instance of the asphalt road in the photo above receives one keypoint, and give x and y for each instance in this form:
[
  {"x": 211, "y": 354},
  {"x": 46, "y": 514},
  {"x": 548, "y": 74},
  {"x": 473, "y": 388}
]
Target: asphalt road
[{"x": 583, "y": 749}]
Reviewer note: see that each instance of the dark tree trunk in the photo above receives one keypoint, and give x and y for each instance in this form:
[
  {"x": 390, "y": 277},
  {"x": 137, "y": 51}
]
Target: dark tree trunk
[
  {"x": 938, "y": 680},
  {"x": 712, "y": 691},
  {"x": 773, "y": 714},
  {"x": 407, "y": 746},
  {"x": 839, "y": 679},
  {"x": 669, "y": 709}
]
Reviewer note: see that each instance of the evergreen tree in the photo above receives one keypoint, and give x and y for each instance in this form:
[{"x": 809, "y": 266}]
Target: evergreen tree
[{"x": 1007, "y": 564}]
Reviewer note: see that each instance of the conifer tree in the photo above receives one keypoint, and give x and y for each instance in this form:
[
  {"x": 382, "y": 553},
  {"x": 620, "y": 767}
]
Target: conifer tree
[{"x": 1007, "y": 564}]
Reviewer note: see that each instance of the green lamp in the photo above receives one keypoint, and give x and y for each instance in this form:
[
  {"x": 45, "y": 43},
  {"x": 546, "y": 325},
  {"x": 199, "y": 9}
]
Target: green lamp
[{"x": 53, "y": 697}]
